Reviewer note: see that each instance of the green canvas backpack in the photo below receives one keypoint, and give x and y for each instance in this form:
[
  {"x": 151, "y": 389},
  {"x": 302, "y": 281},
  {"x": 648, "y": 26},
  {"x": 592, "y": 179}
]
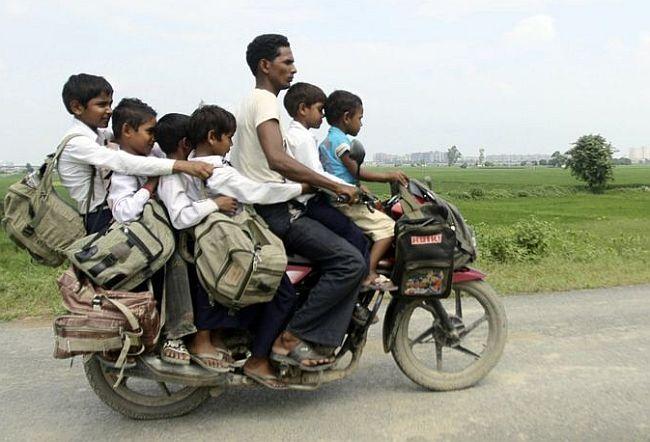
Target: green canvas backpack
[
  {"x": 125, "y": 254},
  {"x": 239, "y": 261},
  {"x": 37, "y": 219}
]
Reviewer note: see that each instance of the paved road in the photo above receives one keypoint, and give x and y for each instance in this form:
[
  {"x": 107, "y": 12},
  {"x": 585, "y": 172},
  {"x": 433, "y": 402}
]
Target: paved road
[{"x": 576, "y": 367}]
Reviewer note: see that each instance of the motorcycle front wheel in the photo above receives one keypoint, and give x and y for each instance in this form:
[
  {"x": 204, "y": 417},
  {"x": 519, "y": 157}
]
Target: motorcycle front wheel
[
  {"x": 139, "y": 398},
  {"x": 431, "y": 356}
]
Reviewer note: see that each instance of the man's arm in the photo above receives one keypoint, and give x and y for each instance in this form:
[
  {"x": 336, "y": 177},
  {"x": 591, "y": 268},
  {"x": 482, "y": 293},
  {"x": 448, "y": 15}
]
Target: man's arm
[{"x": 279, "y": 161}]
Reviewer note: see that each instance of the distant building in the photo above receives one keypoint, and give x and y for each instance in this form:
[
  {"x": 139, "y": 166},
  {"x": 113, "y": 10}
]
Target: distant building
[
  {"x": 640, "y": 154},
  {"x": 440, "y": 158}
]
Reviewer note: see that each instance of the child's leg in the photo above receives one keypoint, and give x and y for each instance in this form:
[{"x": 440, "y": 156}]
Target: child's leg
[{"x": 377, "y": 251}]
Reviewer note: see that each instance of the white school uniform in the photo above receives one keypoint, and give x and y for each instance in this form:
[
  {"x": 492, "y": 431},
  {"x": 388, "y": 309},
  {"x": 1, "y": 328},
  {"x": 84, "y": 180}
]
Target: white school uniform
[
  {"x": 183, "y": 211},
  {"x": 126, "y": 196},
  {"x": 82, "y": 153},
  {"x": 303, "y": 146}
]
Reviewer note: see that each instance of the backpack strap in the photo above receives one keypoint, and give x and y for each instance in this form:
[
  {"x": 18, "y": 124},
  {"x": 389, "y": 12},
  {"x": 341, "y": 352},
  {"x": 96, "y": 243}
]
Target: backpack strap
[{"x": 410, "y": 206}]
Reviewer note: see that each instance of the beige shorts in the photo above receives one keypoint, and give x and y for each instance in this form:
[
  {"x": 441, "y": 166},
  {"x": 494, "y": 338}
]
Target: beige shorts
[{"x": 376, "y": 224}]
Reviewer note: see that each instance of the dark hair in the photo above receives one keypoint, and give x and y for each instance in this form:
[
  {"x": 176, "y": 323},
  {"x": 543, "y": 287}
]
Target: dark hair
[
  {"x": 302, "y": 93},
  {"x": 83, "y": 88},
  {"x": 210, "y": 117},
  {"x": 338, "y": 103},
  {"x": 170, "y": 130},
  {"x": 131, "y": 111},
  {"x": 264, "y": 47}
]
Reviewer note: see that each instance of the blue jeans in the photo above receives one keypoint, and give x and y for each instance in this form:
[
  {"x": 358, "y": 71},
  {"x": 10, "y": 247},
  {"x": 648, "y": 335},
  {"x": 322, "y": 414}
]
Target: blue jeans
[{"x": 325, "y": 315}]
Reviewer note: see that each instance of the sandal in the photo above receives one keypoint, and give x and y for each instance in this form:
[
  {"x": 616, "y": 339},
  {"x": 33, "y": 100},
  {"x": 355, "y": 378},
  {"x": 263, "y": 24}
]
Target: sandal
[
  {"x": 268, "y": 380},
  {"x": 381, "y": 283},
  {"x": 301, "y": 352},
  {"x": 223, "y": 366},
  {"x": 178, "y": 348}
]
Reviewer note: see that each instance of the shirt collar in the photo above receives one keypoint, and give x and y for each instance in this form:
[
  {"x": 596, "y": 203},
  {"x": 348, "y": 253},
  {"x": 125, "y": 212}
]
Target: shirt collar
[
  {"x": 296, "y": 125},
  {"x": 336, "y": 131},
  {"x": 84, "y": 129}
]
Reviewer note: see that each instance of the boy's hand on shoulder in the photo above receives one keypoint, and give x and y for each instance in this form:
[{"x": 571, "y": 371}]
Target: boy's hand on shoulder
[
  {"x": 226, "y": 204},
  {"x": 398, "y": 177},
  {"x": 199, "y": 169}
]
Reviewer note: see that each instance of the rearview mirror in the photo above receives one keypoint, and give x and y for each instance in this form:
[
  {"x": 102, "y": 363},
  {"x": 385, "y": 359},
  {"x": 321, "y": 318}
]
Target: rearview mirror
[{"x": 357, "y": 152}]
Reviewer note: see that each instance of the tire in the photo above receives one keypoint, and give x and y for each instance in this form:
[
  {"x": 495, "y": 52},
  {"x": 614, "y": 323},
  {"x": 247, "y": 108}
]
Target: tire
[
  {"x": 139, "y": 406},
  {"x": 435, "y": 378}
]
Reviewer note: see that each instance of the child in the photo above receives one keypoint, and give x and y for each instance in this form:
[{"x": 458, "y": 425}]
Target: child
[
  {"x": 305, "y": 102},
  {"x": 89, "y": 98},
  {"x": 344, "y": 112},
  {"x": 210, "y": 131},
  {"x": 133, "y": 124}
]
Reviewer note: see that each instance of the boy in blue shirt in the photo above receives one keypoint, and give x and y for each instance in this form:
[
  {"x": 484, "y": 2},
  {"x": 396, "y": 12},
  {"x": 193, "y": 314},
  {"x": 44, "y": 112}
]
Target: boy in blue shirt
[{"x": 344, "y": 111}]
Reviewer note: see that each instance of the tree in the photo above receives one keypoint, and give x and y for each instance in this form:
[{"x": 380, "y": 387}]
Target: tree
[
  {"x": 543, "y": 162},
  {"x": 590, "y": 160},
  {"x": 481, "y": 156},
  {"x": 557, "y": 159},
  {"x": 453, "y": 155}
]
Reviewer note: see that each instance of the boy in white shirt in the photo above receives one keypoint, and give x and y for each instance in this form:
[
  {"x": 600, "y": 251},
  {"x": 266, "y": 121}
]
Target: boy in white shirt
[
  {"x": 209, "y": 132},
  {"x": 89, "y": 98},
  {"x": 134, "y": 124}
]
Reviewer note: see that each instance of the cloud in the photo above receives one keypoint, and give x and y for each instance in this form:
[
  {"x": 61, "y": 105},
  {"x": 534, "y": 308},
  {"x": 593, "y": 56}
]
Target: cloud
[
  {"x": 17, "y": 8},
  {"x": 531, "y": 31}
]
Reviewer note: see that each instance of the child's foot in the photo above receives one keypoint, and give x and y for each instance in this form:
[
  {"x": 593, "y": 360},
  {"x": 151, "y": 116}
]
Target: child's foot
[
  {"x": 378, "y": 282},
  {"x": 207, "y": 355},
  {"x": 261, "y": 371},
  {"x": 174, "y": 351}
]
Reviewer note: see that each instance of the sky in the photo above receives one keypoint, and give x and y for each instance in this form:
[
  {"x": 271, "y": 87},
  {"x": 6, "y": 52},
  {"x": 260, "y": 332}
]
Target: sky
[{"x": 509, "y": 76}]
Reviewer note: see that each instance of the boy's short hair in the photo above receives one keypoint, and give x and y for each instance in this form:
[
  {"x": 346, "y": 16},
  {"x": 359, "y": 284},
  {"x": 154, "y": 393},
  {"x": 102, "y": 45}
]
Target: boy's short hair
[
  {"x": 131, "y": 111},
  {"x": 338, "y": 103},
  {"x": 210, "y": 117},
  {"x": 264, "y": 47},
  {"x": 303, "y": 93},
  {"x": 83, "y": 88},
  {"x": 170, "y": 130}
]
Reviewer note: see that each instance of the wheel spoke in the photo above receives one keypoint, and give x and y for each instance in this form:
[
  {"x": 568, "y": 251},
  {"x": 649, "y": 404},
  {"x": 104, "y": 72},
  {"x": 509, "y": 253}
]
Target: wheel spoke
[
  {"x": 472, "y": 326},
  {"x": 467, "y": 351},
  {"x": 438, "y": 356},
  {"x": 459, "y": 308},
  {"x": 420, "y": 338},
  {"x": 428, "y": 308},
  {"x": 164, "y": 388}
]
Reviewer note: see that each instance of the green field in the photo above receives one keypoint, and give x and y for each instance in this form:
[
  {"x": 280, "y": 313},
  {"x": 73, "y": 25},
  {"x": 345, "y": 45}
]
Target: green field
[{"x": 586, "y": 240}]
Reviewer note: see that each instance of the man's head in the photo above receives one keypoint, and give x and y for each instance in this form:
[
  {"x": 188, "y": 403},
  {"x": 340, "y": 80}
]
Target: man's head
[
  {"x": 171, "y": 135},
  {"x": 269, "y": 57},
  {"x": 305, "y": 103},
  {"x": 344, "y": 110},
  {"x": 213, "y": 126},
  {"x": 134, "y": 124},
  {"x": 89, "y": 98}
]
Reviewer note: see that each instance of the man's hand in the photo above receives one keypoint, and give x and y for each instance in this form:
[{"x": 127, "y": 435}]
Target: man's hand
[
  {"x": 349, "y": 192},
  {"x": 199, "y": 169},
  {"x": 398, "y": 177},
  {"x": 226, "y": 204}
]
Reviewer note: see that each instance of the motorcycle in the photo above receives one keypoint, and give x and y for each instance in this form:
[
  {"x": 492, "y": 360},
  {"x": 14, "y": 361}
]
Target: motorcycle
[{"x": 439, "y": 343}]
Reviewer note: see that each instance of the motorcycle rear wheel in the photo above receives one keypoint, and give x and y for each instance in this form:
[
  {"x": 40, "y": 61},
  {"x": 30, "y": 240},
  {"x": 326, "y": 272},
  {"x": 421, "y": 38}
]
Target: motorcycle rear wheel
[
  {"x": 471, "y": 358},
  {"x": 150, "y": 400}
]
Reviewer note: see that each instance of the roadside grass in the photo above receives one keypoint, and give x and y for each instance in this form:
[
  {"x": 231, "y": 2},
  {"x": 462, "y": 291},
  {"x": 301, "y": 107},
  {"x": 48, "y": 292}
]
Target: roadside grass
[{"x": 594, "y": 240}]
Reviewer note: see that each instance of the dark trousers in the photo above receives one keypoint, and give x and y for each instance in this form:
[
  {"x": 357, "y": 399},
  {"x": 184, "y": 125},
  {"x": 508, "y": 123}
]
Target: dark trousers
[
  {"x": 320, "y": 209},
  {"x": 98, "y": 221},
  {"x": 325, "y": 315},
  {"x": 265, "y": 321}
]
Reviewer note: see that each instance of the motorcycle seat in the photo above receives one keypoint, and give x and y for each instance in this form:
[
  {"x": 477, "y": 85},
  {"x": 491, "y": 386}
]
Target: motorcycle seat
[{"x": 297, "y": 260}]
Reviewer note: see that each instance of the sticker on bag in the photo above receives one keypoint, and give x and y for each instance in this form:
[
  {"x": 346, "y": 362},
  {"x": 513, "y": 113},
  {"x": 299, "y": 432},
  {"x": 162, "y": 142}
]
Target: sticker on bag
[
  {"x": 421, "y": 240},
  {"x": 428, "y": 282}
]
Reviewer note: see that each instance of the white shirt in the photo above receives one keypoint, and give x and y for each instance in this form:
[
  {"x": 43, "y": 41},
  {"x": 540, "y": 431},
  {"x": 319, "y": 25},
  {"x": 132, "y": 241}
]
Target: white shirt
[
  {"x": 126, "y": 196},
  {"x": 82, "y": 153},
  {"x": 247, "y": 155},
  {"x": 226, "y": 180},
  {"x": 303, "y": 146},
  {"x": 183, "y": 211}
]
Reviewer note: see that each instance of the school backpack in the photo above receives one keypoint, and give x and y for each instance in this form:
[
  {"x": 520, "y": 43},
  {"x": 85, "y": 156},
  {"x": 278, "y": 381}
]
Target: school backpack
[
  {"x": 112, "y": 323},
  {"x": 124, "y": 255},
  {"x": 239, "y": 261},
  {"x": 37, "y": 219}
]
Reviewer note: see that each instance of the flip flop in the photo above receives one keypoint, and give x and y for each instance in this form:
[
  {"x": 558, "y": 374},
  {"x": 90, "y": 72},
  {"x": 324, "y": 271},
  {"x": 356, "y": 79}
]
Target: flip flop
[
  {"x": 200, "y": 359},
  {"x": 267, "y": 380},
  {"x": 301, "y": 352},
  {"x": 176, "y": 346}
]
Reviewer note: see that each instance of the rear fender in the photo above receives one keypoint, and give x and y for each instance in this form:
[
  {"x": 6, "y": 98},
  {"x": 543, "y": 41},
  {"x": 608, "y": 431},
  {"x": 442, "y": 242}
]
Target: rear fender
[{"x": 467, "y": 274}]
